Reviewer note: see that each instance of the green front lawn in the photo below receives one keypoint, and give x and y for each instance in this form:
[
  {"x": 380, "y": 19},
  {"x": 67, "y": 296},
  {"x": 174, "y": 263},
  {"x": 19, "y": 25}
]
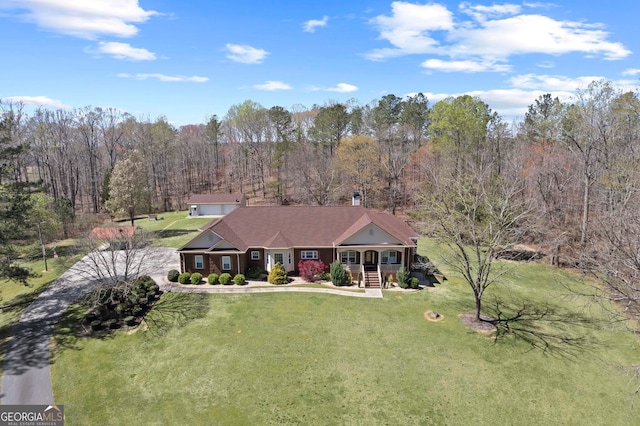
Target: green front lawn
[{"x": 286, "y": 358}]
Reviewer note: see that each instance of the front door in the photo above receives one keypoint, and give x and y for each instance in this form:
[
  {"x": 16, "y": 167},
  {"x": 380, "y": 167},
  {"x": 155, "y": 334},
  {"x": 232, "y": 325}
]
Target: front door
[
  {"x": 370, "y": 260},
  {"x": 282, "y": 257}
]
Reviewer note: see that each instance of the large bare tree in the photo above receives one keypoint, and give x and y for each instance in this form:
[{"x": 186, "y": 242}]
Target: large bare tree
[{"x": 476, "y": 217}]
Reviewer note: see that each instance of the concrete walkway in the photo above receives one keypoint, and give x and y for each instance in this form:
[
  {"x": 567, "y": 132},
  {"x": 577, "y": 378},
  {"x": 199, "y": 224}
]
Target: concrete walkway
[
  {"x": 26, "y": 377},
  {"x": 171, "y": 287}
]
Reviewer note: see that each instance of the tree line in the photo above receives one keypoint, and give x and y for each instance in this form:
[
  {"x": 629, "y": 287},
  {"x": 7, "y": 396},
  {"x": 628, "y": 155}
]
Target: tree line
[{"x": 574, "y": 165}]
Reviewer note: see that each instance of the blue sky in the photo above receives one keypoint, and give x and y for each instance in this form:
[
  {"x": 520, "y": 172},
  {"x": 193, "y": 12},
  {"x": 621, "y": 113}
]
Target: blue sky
[{"x": 188, "y": 60}]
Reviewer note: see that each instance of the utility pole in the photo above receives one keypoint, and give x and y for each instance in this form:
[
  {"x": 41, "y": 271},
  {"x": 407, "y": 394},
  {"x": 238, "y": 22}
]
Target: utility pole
[{"x": 44, "y": 252}]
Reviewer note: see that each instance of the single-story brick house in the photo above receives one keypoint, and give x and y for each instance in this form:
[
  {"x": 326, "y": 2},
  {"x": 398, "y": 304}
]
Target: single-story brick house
[
  {"x": 362, "y": 239},
  {"x": 214, "y": 204}
]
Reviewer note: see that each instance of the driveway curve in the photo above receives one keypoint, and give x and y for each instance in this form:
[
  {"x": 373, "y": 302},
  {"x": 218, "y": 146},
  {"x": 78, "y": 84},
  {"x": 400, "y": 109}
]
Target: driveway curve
[{"x": 26, "y": 377}]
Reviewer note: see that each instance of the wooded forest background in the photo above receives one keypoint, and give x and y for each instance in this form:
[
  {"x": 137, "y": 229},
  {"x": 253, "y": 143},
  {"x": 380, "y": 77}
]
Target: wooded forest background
[{"x": 574, "y": 164}]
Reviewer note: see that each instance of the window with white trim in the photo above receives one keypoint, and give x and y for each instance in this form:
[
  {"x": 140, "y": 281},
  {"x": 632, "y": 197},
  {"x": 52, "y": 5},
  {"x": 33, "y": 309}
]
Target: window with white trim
[
  {"x": 390, "y": 256},
  {"x": 226, "y": 263},
  {"x": 348, "y": 257},
  {"x": 255, "y": 255},
  {"x": 198, "y": 261},
  {"x": 309, "y": 254},
  {"x": 278, "y": 258}
]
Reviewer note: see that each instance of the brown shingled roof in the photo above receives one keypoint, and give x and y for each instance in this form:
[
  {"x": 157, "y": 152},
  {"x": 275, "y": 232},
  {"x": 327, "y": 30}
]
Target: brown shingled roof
[
  {"x": 303, "y": 226},
  {"x": 112, "y": 233},
  {"x": 220, "y": 198}
]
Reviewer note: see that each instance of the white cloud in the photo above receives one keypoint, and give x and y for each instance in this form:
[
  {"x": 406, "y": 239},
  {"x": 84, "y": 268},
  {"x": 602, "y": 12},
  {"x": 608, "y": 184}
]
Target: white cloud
[
  {"x": 342, "y": 88},
  {"x": 408, "y": 29},
  {"x": 493, "y": 33},
  {"x": 339, "y": 88},
  {"x": 165, "y": 78},
  {"x": 123, "y": 51},
  {"x": 550, "y": 83},
  {"x": 546, "y": 64},
  {"x": 631, "y": 71},
  {"x": 36, "y": 101},
  {"x": 88, "y": 19},
  {"x": 245, "y": 54},
  {"x": 513, "y": 102},
  {"x": 526, "y": 34},
  {"x": 481, "y": 12},
  {"x": 272, "y": 85},
  {"x": 464, "y": 66},
  {"x": 311, "y": 25}
]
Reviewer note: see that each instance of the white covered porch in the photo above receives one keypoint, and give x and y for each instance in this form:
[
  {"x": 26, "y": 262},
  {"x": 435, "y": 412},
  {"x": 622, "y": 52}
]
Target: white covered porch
[{"x": 372, "y": 261}]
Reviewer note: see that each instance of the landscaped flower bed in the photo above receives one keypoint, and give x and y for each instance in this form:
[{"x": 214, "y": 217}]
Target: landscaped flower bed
[{"x": 116, "y": 308}]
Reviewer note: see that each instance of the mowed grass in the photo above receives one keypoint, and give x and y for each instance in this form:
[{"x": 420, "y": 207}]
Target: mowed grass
[
  {"x": 174, "y": 229},
  {"x": 283, "y": 358}
]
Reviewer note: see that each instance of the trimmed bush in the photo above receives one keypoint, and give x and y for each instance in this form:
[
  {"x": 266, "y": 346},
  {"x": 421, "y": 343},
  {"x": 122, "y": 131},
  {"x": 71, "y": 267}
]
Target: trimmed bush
[
  {"x": 173, "y": 275},
  {"x": 90, "y": 317},
  {"x": 184, "y": 278},
  {"x": 277, "y": 275},
  {"x": 196, "y": 278},
  {"x": 414, "y": 282},
  {"x": 138, "y": 290},
  {"x": 239, "y": 279},
  {"x": 213, "y": 279},
  {"x": 311, "y": 270},
  {"x": 120, "y": 308},
  {"x": 137, "y": 310},
  {"x": 144, "y": 281},
  {"x": 339, "y": 275},
  {"x": 254, "y": 272},
  {"x": 112, "y": 323},
  {"x": 403, "y": 278},
  {"x": 225, "y": 279}
]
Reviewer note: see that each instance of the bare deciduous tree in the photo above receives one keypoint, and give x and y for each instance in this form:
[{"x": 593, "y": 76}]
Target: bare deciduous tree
[
  {"x": 116, "y": 257},
  {"x": 475, "y": 217}
]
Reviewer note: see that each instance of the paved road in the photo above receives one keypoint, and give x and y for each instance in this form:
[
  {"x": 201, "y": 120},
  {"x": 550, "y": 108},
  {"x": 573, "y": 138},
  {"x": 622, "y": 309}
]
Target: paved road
[{"x": 26, "y": 376}]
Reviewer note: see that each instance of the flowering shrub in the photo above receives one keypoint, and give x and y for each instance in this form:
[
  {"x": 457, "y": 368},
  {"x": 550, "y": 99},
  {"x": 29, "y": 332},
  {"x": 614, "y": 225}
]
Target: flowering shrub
[{"x": 311, "y": 270}]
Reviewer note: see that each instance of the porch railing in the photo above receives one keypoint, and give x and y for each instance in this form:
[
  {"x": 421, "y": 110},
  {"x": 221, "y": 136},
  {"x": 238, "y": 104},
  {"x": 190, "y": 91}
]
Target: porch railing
[{"x": 385, "y": 267}]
